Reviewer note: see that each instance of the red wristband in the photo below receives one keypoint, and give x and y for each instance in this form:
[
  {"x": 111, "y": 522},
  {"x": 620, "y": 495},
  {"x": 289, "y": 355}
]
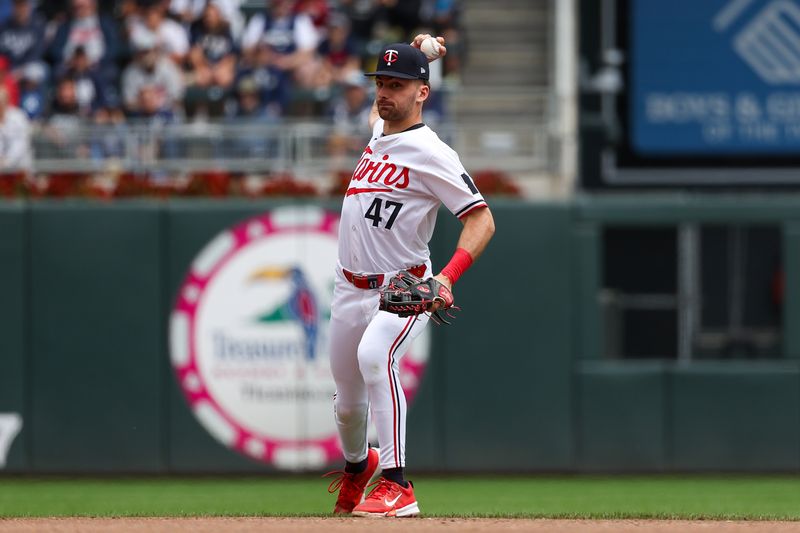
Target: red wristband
[{"x": 458, "y": 264}]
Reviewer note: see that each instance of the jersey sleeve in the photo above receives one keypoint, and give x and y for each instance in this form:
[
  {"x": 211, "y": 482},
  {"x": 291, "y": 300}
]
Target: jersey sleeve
[{"x": 447, "y": 179}]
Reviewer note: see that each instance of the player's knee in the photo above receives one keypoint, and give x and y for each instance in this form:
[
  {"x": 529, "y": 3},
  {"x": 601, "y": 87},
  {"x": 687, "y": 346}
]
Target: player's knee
[
  {"x": 372, "y": 364},
  {"x": 350, "y": 414}
]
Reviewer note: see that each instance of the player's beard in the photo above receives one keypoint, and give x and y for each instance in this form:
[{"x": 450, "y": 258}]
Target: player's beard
[{"x": 397, "y": 111}]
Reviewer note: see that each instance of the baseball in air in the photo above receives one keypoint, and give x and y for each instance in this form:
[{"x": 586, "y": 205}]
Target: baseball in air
[{"x": 430, "y": 47}]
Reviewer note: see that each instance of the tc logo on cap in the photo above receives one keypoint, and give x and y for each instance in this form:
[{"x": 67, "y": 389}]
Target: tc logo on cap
[
  {"x": 401, "y": 60},
  {"x": 390, "y": 57}
]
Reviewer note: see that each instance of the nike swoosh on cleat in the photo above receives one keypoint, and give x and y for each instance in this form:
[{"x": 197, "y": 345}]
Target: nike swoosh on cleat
[{"x": 391, "y": 503}]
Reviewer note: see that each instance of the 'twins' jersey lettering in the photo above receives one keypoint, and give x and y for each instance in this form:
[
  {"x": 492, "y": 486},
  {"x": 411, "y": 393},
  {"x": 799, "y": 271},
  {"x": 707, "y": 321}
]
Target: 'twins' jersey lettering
[
  {"x": 380, "y": 171},
  {"x": 389, "y": 210}
]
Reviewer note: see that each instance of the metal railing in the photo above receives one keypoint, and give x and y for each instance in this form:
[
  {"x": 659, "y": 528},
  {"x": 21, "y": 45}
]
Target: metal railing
[{"x": 305, "y": 148}]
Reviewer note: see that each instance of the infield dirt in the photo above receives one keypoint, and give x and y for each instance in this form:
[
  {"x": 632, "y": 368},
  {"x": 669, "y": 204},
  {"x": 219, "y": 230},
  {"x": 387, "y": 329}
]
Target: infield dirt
[{"x": 356, "y": 525}]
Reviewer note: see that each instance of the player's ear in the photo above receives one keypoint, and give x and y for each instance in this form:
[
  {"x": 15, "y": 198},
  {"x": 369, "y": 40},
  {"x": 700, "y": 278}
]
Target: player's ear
[{"x": 424, "y": 91}]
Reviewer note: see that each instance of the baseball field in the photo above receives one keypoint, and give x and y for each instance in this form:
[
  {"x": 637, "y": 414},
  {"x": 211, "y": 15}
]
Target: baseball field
[{"x": 543, "y": 503}]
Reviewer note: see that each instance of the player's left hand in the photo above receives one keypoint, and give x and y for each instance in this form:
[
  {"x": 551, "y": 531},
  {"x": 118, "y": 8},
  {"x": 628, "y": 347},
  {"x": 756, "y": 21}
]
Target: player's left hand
[
  {"x": 439, "y": 304},
  {"x": 417, "y": 42}
]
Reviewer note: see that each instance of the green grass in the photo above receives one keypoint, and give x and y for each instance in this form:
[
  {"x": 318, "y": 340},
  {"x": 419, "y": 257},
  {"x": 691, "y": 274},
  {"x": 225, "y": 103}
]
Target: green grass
[{"x": 738, "y": 497}]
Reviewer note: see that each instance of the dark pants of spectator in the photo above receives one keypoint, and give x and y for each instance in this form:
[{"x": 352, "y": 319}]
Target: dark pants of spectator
[{"x": 204, "y": 100}]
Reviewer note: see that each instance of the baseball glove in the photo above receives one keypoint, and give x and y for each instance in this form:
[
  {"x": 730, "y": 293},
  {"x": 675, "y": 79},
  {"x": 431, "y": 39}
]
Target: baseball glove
[{"x": 408, "y": 295}]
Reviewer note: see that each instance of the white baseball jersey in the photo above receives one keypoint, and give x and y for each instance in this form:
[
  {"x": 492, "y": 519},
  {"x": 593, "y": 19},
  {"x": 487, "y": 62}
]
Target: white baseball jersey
[{"x": 389, "y": 210}]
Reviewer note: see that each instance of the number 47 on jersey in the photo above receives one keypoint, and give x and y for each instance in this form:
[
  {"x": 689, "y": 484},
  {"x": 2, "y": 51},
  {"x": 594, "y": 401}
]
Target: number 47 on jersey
[{"x": 380, "y": 207}]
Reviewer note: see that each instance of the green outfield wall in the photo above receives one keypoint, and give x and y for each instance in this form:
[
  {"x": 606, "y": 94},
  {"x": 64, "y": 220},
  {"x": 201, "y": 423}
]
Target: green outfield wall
[{"x": 519, "y": 384}]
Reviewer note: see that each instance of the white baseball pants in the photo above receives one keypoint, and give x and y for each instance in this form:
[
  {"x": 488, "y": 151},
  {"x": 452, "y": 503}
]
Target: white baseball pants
[{"x": 365, "y": 348}]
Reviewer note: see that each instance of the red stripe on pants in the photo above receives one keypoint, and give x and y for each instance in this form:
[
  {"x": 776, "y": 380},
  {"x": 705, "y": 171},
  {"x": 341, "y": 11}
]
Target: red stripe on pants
[{"x": 395, "y": 400}]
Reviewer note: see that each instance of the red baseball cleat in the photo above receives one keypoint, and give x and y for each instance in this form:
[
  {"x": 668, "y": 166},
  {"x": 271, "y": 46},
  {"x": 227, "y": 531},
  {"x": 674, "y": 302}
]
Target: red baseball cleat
[
  {"x": 388, "y": 499},
  {"x": 351, "y": 486}
]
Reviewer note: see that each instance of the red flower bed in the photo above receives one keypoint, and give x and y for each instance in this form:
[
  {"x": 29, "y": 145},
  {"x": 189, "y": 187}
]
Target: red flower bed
[
  {"x": 210, "y": 184},
  {"x": 496, "y": 183},
  {"x": 12, "y": 184}
]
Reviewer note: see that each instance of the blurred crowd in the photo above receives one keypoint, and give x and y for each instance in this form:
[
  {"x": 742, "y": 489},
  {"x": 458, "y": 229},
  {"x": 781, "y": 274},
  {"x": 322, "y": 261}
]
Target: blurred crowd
[{"x": 110, "y": 63}]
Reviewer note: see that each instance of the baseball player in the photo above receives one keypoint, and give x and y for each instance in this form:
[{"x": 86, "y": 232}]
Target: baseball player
[{"x": 388, "y": 215}]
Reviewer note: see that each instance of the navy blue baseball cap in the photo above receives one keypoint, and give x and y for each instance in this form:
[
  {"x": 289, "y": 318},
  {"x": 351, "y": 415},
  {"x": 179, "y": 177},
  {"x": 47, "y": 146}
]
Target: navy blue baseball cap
[{"x": 400, "y": 60}]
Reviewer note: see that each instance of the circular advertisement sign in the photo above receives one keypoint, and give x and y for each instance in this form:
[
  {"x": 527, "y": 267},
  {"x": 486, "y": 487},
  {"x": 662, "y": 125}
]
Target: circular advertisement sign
[{"x": 248, "y": 338}]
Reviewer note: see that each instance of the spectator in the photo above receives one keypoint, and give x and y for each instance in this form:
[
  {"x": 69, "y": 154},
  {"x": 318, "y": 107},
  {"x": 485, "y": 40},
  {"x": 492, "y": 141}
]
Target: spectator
[
  {"x": 444, "y": 16},
  {"x": 66, "y": 108},
  {"x": 22, "y": 38},
  {"x": 338, "y": 53},
  {"x": 63, "y": 128},
  {"x": 32, "y": 90},
  {"x": 109, "y": 135},
  {"x": 15, "y": 137},
  {"x": 187, "y": 12},
  {"x": 403, "y": 15},
  {"x": 53, "y": 10},
  {"x": 96, "y": 33},
  {"x": 317, "y": 10},
  {"x": 272, "y": 83},
  {"x": 8, "y": 82},
  {"x": 363, "y": 14},
  {"x": 152, "y": 113},
  {"x": 150, "y": 68},
  {"x": 445, "y": 19},
  {"x": 251, "y": 109},
  {"x": 124, "y": 10},
  {"x": 170, "y": 36},
  {"x": 212, "y": 61},
  {"x": 249, "y": 104},
  {"x": 150, "y": 107},
  {"x": 350, "y": 110},
  {"x": 291, "y": 37},
  {"x": 91, "y": 90},
  {"x": 350, "y": 116},
  {"x": 5, "y": 12},
  {"x": 56, "y": 11}
]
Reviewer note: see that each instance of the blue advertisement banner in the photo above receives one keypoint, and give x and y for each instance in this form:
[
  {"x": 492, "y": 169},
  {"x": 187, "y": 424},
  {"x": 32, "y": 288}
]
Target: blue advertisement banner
[{"x": 715, "y": 77}]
